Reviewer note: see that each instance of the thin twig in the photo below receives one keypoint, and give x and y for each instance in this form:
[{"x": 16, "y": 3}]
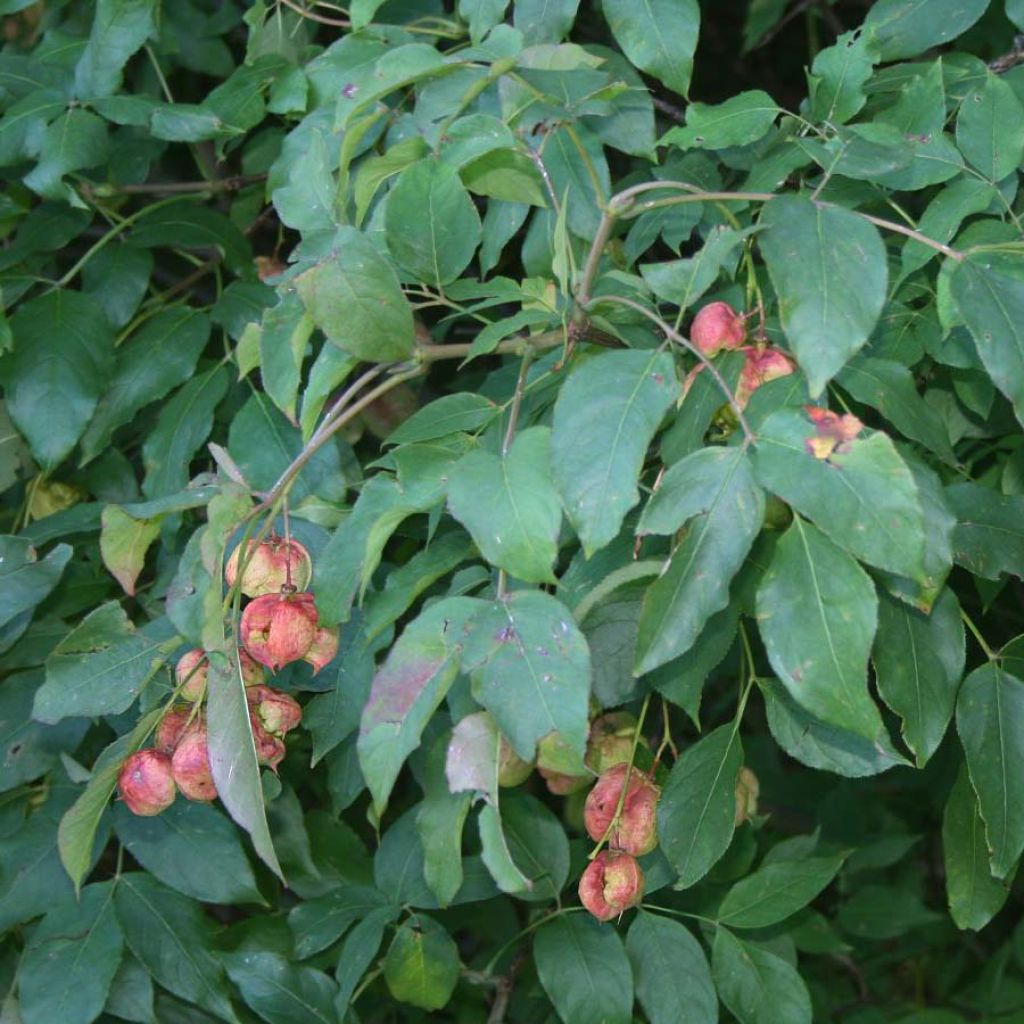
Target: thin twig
[
  {"x": 674, "y": 336},
  {"x": 229, "y": 184},
  {"x": 320, "y": 18},
  {"x": 668, "y": 108}
]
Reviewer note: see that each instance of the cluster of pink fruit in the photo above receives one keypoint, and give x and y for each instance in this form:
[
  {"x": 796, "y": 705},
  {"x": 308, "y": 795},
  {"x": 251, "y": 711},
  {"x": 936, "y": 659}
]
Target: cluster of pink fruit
[
  {"x": 718, "y": 327},
  {"x": 279, "y": 626}
]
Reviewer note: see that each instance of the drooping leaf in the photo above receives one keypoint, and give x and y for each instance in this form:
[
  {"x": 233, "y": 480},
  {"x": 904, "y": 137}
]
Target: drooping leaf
[
  {"x": 990, "y": 300},
  {"x": 584, "y": 970},
  {"x": 673, "y": 980},
  {"x": 432, "y": 226},
  {"x": 989, "y": 713},
  {"x": 817, "y": 613},
  {"x": 756, "y": 986},
  {"x": 862, "y": 495},
  {"x": 717, "y": 487},
  {"x": 124, "y": 542},
  {"x": 905, "y": 28},
  {"x": 354, "y": 297},
  {"x": 532, "y": 669},
  {"x": 605, "y": 416},
  {"x": 659, "y": 38},
  {"x": 440, "y": 821},
  {"x": 422, "y": 964},
  {"x": 697, "y": 810},
  {"x": 281, "y": 991},
  {"x": 172, "y": 938},
  {"x": 989, "y": 535},
  {"x": 119, "y": 28},
  {"x": 974, "y": 896},
  {"x": 509, "y": 505},
  {"x": 26, "y": 578},
  {"x": 919, "y": 662},
  {"x": 232, "y": 754},
  {"x": 811, "y": 253},
  {"x": 71, "y": 959},
  {"x": 62, "y": 358},
  {"x": 407, "y": 690}
]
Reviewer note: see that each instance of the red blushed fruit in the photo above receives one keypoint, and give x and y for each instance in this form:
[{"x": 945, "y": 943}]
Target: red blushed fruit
[
  {"x": 146, "y": 782},
  {"x": 190, "y": 673},
  {"x": 717, "y": 326},
  {"x": 191, "y": 764},
  {"x": 278, "y": 629},
  {"x": 277, "y": 712},
  {"x": 274, "y": 563},
  {"x": 612, "y": 883},
  {"x": 170, "y": 729},
  {"x": 761, "y": 366},
  {"x": 270, "y": 750},
  {"x": 637, "y": 829},
  {"x": 324, "y": 648}
]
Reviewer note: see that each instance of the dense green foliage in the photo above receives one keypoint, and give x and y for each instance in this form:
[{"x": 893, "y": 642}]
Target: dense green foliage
[{"x": 413, "y": 283}]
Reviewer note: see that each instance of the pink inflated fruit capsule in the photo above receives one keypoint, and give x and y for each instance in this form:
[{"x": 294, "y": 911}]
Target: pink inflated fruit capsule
[
  {"x": 146, "y": 782},
  {"x": 717, "y": 326},
  {"x": 636, "y": 830},
  {"x": 612, "y": 883},
  {"x": 272, "y": 565}
]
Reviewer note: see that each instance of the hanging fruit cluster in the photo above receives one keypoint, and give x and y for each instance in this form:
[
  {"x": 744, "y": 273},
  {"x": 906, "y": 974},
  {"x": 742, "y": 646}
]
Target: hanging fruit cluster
[{"x": 279, "y": 626}]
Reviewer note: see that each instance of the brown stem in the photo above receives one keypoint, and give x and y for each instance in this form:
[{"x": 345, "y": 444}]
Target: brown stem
[
  {"x": 326, "y": 432},
  {"x": 668, "y": 108}
]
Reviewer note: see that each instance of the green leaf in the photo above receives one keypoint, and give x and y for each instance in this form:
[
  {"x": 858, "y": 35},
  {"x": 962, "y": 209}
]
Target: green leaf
[
  {"x": 605, "y": 417},
  {"x": 863, "y": 495},
  {"x": 819, "y": 745},
  {"x": 505, "y": 175},
  {"x": 284, "y": 334},
  {"x": 422, "y": 964},
  {"x": 330, "y": 368},
  {"x": 990, "y": 722},
  {"x": 738, "y": 121},
  {"x": 71, "y": 959},
  {"x": 63, "y": 355},
  {"x": 119, "y": 28},
  {"x": 279, "y": 991},
  {"x": 838, "y": 76},
  {"x": 76, "y": 140},
  {"x": 77, "y": 832},
  {"x": 100, "y": 667},
  {"x": 508, "y": 504},
  {"x": 989, "y": 535},
  {"x": 320, "y": 922},
  {"x": 673, "y": 980},
  {"x": 811, "y": 252},
  {"x": 538, "y": 845},
  {"x": 776, "y": 891},
  {"x": 357, "y": 953},
  {"x": 905, "y": 28},
  {"x": 578, "y": 169},
  {"x": 354, "y": 297},
  {"x": 408, "y": 689},
  {"x": 990, "y": 299},
  {"x": 462, "y": 411},
  {"x": 26, "y": 579},
  {"x": 817, "y": 613},
  {"x": 717, "y": 486},
  {"x": 379, "y": 169},
  {"x": 974, "y": 896},
  {"x": 440, "y": 821},
  {"x": 172, "y": 938},
  {"x": 659, "y": 37},
  {"x": 184, "y": 423},
  {"x": 889, "y": 387},
  {"x": 131, "y": 992},
  {"x": 990, "y": 128},
  {"x": 192, "y": 848},
  {"x": 544, "y": 21},
  {"x": 584, "y": 970},
  {"x": 919, "y": 662},
  {"x": 756, "y": 986},
  {"x": 496, "y": 852},
  {"x": 431, "y": 225},
  {"x": 697, "y": 810},
  {"x": 683, "y": 282},
  {"x": 532, "y": 668},
  {"x": 124, "y": 542},
  {"x": 159, "y": 357},
  {"x": 232, "y": 753}
]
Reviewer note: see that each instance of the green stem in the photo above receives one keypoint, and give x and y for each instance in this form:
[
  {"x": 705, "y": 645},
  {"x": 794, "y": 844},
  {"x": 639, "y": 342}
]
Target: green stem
[{"x": 971, "y": 625}]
